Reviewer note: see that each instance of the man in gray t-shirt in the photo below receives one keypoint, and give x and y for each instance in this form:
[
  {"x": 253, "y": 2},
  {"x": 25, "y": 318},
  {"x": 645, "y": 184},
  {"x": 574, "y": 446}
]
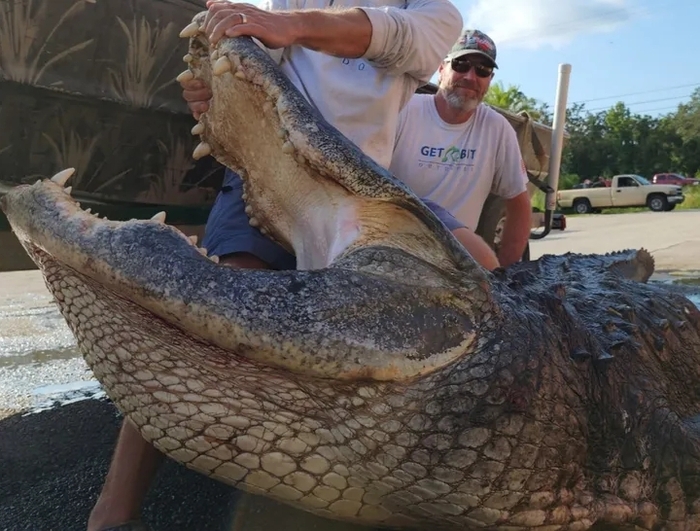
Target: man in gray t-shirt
[{"x": 454, "y": 150}]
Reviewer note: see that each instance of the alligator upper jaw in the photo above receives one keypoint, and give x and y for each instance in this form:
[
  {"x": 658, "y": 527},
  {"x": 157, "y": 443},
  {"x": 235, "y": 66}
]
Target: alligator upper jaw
[
  {"x": 379, "y": 313},
  {"x": 384, "y": 290}
]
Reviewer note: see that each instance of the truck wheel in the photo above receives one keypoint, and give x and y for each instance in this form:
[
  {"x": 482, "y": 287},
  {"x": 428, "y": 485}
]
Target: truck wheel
[
  {"x": 582, "y": 206},
  {"x": 657, "y": 203},
  {"x": 526, "y": 253},
  {"x": 491, "y": 223},
  {"x": 493, "y": 217}
]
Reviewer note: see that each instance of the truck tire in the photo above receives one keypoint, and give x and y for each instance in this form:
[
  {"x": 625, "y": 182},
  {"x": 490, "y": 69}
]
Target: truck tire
[
  {"x": 657, "y": 202},
  {"x": 670, "y": 207},
  {"x": 491, "y": 222},
  {"x": 582, "y": 206},
  {"x": 493, "y": 216}
]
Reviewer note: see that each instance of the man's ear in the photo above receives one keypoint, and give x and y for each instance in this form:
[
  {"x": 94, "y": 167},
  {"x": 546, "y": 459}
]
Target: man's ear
[{"x": 440, "y": 70}]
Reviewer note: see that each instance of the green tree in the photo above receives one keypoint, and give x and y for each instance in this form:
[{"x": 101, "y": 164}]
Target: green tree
[
  {"x": 686, "y": 122},
  {"x": 514, "y": 100},
  {"x": 617, "y": 140}
]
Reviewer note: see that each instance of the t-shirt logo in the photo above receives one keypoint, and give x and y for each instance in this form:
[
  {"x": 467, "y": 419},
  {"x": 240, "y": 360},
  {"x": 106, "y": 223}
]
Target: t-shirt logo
[{"x": 450, "y": 155}]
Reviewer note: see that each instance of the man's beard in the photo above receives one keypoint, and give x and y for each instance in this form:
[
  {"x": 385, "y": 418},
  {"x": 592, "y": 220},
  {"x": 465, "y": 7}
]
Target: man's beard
[{"x": 459, "y": 101}]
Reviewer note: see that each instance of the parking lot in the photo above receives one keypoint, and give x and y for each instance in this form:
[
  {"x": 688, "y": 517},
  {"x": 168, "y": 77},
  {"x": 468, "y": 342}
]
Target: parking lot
[{"x": 672, "y": 237}]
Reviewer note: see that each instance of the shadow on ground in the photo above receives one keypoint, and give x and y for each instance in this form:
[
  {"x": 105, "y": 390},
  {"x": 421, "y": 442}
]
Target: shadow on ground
[{"x": 53, "y": 464}]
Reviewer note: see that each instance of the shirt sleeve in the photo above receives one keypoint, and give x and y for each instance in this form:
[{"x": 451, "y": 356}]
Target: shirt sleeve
[
  {"x": 511, "y": 176},
  {"x": 413, "y": 40}
]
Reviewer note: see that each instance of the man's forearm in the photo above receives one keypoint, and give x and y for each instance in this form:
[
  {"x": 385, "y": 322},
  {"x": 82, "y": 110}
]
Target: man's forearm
[
  {"x": 342, "y": 33},
  {"x": 516, "y": 231}
]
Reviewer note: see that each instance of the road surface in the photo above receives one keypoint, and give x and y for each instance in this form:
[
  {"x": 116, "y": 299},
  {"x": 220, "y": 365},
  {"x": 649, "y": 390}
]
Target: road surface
[{"x": 673, "y": 238}]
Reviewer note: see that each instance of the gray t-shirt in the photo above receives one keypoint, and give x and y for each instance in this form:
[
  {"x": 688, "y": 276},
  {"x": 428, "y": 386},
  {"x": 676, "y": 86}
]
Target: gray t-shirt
[{"x": 457, "y": 165}]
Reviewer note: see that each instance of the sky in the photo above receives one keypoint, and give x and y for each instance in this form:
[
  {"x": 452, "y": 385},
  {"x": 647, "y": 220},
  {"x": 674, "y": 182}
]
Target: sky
[{"x": 616, "y": 49}]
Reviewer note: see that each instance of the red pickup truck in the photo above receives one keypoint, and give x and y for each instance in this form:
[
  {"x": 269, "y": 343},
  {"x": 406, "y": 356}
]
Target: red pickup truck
[{"x": 674, "y": 178}]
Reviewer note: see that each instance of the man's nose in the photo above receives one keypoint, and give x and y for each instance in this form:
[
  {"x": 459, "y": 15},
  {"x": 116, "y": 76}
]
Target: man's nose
[{"x": 471, "y": 74}]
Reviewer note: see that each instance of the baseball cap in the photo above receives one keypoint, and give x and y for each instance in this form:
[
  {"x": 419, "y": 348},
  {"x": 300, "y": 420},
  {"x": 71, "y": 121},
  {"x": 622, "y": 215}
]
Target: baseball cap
[{"x": 474, "y": 42}]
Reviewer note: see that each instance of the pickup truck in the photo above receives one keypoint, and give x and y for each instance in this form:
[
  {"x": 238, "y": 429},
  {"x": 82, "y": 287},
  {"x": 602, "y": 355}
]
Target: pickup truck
[{"x": 624, "y": 191}]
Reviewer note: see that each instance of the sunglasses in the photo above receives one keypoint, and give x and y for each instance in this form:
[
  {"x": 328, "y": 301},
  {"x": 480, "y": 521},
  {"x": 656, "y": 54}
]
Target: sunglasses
[{"x": 462, "y": 66}]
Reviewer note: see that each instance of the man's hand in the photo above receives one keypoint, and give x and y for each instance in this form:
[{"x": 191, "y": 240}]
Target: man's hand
[
  {"x": 275, "y": 29},
  {"x": 197, "y": 95}
]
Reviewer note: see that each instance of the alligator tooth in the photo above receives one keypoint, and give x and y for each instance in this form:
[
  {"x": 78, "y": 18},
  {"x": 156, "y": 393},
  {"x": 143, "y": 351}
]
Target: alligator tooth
[
  {"x": 88, "y": 210},
  {"x": 214, "y": 258},
  {"x": 198, "y": 129},
  {"x": 253, "y": 222},
  {"x": 202, "y": 251},
  {"x": 221, "y": 66},
  {"x": 236, "y": 61},
  {"x": 190, "y": 30},
  {"x": 159, "y": 217},
  {"x": 193, "y": 239},
  {"x": 38, "y": 182},
  {"x": 248, "y": 210},
  {"x": 244, "y": 196},
  {"x": 287, "y": 147},
  {"x": 187, "y": 75},
  {"x": 188, "y": 58},
  {"x": 68, "y": 190},
  {"x": 202, "y": 150},
  {"x": 282, "y": 133},
  {"x": 239, "y": 74},
  {"x": 214, "y": 55},
  {"x": 61, "y": 178},
  {"x": 263, "y": 231}
]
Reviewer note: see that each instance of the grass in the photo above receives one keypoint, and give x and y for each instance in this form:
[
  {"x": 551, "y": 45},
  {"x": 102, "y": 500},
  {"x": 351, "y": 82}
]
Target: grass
[{"x": 692, "y": 201}]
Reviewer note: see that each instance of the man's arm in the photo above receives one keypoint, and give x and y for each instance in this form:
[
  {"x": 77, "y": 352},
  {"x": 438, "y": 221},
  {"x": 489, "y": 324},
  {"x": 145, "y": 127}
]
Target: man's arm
[
  {"x": 510, "y": 182},
  {"x": 516, "y": 231},
  {"x": 339, "y": 32},
  {"x": 412, "y": 40}
]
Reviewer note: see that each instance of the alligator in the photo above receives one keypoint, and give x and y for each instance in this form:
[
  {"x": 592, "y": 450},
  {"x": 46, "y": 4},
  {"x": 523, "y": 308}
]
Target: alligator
[{"x": 390, "y": 380}]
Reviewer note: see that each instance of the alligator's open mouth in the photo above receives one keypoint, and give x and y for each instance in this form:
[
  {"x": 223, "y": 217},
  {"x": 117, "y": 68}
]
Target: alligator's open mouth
[
  {"x": 359, "y": 235},
  {"x": 305, "y": 184}
]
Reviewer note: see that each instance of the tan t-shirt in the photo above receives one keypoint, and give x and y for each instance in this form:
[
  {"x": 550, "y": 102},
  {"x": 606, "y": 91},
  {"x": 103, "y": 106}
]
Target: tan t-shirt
[{"x": 457, "y": 165}]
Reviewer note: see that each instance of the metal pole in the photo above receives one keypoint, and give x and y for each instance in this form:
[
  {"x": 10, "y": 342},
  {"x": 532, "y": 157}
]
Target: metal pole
[{"x": 557, "y": 136}]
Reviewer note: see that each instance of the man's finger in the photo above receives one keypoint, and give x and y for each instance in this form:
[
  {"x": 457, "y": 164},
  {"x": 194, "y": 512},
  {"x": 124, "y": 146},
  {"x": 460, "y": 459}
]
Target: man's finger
[
  {"x": 197, "y": 95},
  {"x": 220, "y": 29},
  {"x": 198, "y": 106}
]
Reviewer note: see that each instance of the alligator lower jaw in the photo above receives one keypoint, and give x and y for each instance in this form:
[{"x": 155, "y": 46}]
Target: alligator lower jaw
[{"x": 378, "y": 313}]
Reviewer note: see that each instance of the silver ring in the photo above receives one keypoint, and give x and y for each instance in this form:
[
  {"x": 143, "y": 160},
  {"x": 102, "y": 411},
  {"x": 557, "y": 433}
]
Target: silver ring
[{"x": 244, "y": 19}]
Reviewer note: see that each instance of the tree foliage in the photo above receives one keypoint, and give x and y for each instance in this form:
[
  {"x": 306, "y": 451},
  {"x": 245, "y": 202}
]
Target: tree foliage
[
  {"x": 616, "y": 140},
  {"x": 514, "y": 100}
]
